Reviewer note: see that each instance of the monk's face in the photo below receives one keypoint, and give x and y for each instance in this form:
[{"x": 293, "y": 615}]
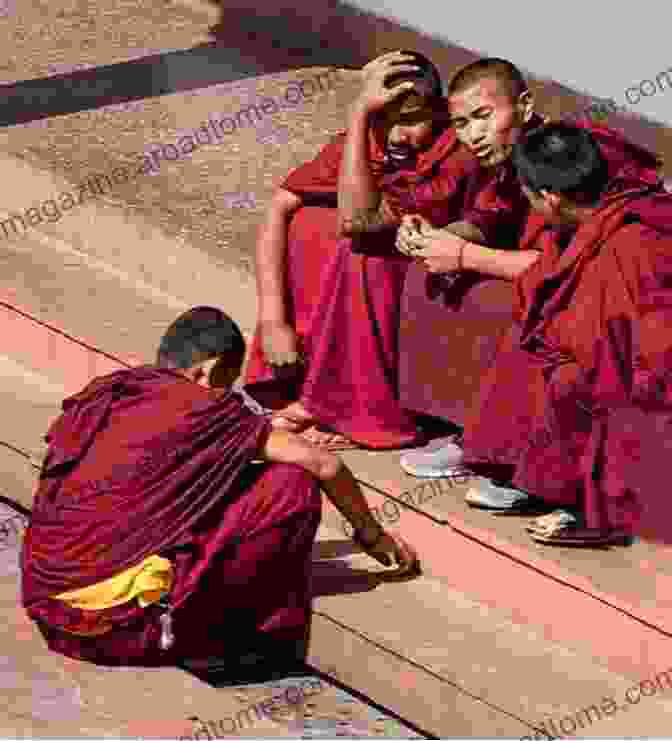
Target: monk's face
[
  {"x": 407, "y": 128},
  {"x": 487, "y": 120}
]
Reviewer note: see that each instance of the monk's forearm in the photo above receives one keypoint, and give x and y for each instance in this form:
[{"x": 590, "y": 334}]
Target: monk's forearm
[
  {"x": 271, "y": 255},
  {"x": 345, "y": 494},
  {"x": 361, "y": 208},
  {"x": 508, "y": 264},
  {"x": 335, "y": 478}
]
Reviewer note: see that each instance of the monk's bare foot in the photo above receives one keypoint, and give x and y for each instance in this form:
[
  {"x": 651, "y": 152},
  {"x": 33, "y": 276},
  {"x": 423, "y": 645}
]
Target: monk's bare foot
[
  {"x": 293, "y": 418},
  {"x": 320, "y": 436},
  {"x": 325, "y": 438}
]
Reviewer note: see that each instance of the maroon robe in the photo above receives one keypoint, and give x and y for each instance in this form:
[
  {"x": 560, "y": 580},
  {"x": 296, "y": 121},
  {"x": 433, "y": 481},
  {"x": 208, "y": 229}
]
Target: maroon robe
[
  {"x": 587, "y": 360},
  {"x": 345, "y": 304},
  {"x": 143, "y": 462}
]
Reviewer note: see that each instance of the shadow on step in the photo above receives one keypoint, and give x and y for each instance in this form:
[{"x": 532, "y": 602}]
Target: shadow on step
[{"x": 332, "y": 577}]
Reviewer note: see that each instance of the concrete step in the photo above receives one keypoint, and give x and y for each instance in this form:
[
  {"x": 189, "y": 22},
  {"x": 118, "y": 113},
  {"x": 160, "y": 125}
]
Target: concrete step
[
  {"x": 458, "y": 666},
  {"x": 90, "y": 298},
  {"x": 70, "y": 699},
  {"x": 634, "y": 580},
  {"x": 455, "y": 563}
]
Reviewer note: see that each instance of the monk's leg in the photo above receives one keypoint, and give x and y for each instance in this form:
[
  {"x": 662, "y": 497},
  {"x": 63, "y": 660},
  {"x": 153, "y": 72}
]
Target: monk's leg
[
  {"x": 351, "y": 381},
  {"x": 312, "y": 243},
  {"x": 256, "y": 562},
  {"x": 245, "y": 575}
]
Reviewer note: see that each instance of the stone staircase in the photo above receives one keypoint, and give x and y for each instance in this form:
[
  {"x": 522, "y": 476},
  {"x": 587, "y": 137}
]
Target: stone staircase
[{"x": 495, "y": 638}]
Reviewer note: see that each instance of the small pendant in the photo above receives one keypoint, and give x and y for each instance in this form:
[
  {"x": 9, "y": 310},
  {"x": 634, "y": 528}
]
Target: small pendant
[{"x": 167, "y": 635}]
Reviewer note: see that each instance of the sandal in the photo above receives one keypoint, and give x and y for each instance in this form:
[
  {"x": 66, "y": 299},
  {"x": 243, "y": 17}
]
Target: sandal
[
  {"x": 547, "y": 524},
  {"x": 564, "y": 528}
]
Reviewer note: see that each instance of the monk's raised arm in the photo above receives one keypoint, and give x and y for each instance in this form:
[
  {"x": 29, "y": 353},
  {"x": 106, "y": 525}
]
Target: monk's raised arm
[
  {"x": 344, "y": 492},
  {"x": 270, "y": 256},
  {"x": 361, "y": 206}
]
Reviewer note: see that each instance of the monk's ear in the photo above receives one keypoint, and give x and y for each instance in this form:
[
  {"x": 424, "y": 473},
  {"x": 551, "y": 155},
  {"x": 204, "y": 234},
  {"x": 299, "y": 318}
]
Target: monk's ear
[
  {"x": 526, "y": 105},
  {"x": 553, "y": 200}
]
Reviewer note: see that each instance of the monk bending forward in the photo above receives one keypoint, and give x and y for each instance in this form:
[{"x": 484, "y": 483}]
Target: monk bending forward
[
  {"x": 153, "y": 540},
  {"x": 579, "y": 398}
]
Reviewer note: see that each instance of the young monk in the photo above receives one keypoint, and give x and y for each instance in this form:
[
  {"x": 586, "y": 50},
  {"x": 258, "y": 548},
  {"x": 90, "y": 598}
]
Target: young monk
[
  {"x": 490, "y": 104},
  {"x": 329, "y": 278},
  {"x": 491, "y": 107},
  {"x": 153, "y": 540},
  {"x": 582, "y": 386}
]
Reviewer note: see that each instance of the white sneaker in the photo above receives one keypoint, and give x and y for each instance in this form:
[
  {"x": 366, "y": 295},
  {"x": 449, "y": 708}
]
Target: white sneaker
[
  {"x": 434, "y": 464},
  {"x": 485, "y": 494}
]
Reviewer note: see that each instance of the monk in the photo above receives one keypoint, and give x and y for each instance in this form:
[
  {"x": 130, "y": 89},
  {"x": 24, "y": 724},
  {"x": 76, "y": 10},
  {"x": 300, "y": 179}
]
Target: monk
[
  {"x": 490, "y": 105},
  {"x": 580, "y": 394},
  {"x": 155, "y": 541},
  {"x": 329, "y": 277}
]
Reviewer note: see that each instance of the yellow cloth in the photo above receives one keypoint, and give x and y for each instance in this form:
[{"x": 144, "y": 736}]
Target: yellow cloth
[{"x": 148, "y": 582}]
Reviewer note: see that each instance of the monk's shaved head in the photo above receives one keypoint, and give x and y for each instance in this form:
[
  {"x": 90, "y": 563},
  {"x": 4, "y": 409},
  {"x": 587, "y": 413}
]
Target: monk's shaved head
[
  {"x": 199, "y": 334},
  {"x": 509, "y": 78},
  {"x": 560, "y": 158}
]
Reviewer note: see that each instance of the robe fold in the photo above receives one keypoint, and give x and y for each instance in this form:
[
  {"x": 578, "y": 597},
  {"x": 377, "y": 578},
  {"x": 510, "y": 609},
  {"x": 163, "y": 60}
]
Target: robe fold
[
  {"x": 583, "y": 377},
  {"x": 344, "y": 295},
  {"x": 145, "y": 462}
]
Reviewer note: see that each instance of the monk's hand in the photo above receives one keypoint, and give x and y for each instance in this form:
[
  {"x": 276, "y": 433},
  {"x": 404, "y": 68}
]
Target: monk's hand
[
  {"x": 440, "y": 251},
  {"x": 280, "y": 344},
  {"x": 387, "y": 548},
  {"x": 412, "y": 233},
  {"x": 374, "y": 95}
]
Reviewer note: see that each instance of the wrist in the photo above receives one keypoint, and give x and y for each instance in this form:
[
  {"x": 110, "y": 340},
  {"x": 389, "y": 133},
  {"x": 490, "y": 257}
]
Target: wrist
[
  {"x": 464, "y": 255},
  {"x": 272, "y": 321}
]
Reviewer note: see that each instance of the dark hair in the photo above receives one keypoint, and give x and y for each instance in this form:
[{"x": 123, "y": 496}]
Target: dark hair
[
  {"x": 199, "y": 334},
  {"x": 561, "y": 158},
  {"x": 505, "y": 72},
  {"x": 428, "y": 72}
]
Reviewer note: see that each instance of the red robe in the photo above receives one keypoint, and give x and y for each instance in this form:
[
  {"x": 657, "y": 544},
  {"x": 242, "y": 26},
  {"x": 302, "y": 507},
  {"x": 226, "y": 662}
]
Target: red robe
[
  {"x": 345, "y": 305},
  {"x": 145, "y": 462},
  {"x": 586, "y": 369}
]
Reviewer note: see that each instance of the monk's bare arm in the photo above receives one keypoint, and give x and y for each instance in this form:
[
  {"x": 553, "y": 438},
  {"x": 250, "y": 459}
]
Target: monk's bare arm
[
  {"x": 487, "y": 260},
  {"x": 361, "y": 207},
  {"x": 336, "y": 478},
  {"x": 270, "y": 256},
  {"x": 343, "y": 490},
  {"x": 508, "y": 264}
]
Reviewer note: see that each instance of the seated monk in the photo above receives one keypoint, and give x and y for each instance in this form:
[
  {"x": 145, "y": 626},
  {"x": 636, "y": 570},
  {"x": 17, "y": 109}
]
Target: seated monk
[
  {"x": 329, "y": 278},
  {"x": 490, "y": 104},
  {"x": 570, "y": 401},
  {"x": 154, "y": 541}
]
